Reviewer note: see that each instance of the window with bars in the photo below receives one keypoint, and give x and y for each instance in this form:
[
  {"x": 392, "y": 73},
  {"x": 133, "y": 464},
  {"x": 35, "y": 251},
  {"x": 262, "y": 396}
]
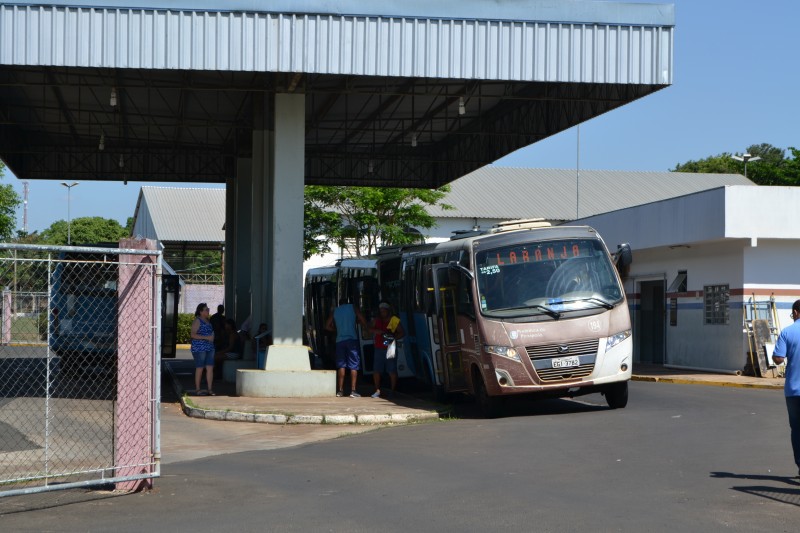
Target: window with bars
[{"x": 715, "y": 299}]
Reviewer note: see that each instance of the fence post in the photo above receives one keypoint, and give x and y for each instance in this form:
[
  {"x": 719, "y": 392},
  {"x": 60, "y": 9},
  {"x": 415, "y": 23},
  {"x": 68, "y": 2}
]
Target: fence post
[
  {"x": 135, "y": 326},
  {"x": 6, "y": 316}
]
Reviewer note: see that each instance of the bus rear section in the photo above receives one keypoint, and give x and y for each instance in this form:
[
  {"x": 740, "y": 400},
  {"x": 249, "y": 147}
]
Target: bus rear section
[
  {"x": 539, "y": 312},
  {"x": 83, "y": 329}
]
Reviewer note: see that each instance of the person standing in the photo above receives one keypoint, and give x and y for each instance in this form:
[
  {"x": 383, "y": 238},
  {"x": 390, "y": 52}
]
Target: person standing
[
  {"x": 203, "y": 350},
  {"x": 386, "y": 328},
  {"x": 218, "y": 323},
  {"x": 343, "y": 320},
  {"x": 788, "y": 349}
]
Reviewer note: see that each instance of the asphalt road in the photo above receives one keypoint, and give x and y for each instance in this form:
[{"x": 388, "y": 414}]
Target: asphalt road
[{"x": 678, "y": 458}]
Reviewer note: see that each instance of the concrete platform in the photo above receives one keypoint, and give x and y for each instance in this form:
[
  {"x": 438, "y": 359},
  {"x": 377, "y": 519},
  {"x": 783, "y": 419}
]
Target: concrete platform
[{"x": 227, "y": 405}]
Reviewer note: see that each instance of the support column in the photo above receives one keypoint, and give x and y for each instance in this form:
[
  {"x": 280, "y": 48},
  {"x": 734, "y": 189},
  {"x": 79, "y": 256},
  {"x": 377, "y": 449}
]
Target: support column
[
  {"x": 229, "y": 250},
  {"x": 282, "y": 174},
  {"x": 261, "y": 176},
  {"x": 242, "y": 218},
  {"x": 286, "y": 220}
]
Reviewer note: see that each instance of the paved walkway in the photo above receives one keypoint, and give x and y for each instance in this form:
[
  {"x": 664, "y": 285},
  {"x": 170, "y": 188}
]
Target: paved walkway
[
  {"x": 397, "y": 409},
  {"x": 643, "y": 372}
]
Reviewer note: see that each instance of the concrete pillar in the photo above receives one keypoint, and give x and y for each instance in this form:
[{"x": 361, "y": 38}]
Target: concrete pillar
[
  {"x": 239, "y": 305},
  {"x": 278, "y": 166},
  {"x": 229, "y": 249},
  {"x": 286, "y": 220},
  {"x": 261, "y": 171}
]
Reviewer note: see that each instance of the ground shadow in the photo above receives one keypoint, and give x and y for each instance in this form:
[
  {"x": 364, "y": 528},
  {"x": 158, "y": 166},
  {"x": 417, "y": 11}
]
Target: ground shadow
[{"x": 784, "y": 494}]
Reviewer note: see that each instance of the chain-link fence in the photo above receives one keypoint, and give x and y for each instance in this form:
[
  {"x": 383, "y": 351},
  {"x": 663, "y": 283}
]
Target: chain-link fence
[{"x": 79, "y": 387}]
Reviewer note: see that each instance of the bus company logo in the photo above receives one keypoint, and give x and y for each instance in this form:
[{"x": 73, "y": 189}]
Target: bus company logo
[
  {"x": 594, "y": 325},
  {"x": 563, "y": 348},
  {"x": 514, "y": 335}
]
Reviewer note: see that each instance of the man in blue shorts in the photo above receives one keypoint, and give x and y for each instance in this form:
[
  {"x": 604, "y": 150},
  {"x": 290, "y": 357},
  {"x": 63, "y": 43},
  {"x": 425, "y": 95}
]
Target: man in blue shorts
[
  {"x": 788, "y": 349},
  {"x": 343, "y": 321}
]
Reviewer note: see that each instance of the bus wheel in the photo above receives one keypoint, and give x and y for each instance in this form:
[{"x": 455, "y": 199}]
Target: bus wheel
[
  {"x": 617, "y": 395},
  {"x": 490, "y": 406}
]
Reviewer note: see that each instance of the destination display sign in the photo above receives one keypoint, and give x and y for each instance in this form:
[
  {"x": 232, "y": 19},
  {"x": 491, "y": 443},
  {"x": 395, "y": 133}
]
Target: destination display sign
[{"x": 535, "y": 252}]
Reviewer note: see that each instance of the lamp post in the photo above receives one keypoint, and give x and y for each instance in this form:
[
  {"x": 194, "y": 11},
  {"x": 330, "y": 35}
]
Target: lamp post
[
  {"x": 745, "y": 158},
  {"x": 69, "y": 200}
]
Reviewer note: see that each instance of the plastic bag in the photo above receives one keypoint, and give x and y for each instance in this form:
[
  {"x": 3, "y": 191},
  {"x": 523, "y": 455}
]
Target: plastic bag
[{"x": 391, "y": 350}]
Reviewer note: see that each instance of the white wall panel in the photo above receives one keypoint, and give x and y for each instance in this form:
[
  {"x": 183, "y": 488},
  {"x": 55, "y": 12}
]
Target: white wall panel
[{"x": 335, "y": 44}]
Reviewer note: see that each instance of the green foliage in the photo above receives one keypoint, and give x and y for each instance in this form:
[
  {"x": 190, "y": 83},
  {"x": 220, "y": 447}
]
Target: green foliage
[
  {"x": 360, "y": 219},
  {"x": 774, "y": 168},
  {"x": 84, "y": 230},
  {"x": 9, "y": 201},
  {"x": 41, "y": 325},
  {"x": 184, "y": 332}
]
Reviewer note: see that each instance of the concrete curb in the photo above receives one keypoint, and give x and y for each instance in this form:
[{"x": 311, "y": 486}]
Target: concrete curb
[
  {"x": 279, "y": 418},
  {"x": 683, "y": 381}
]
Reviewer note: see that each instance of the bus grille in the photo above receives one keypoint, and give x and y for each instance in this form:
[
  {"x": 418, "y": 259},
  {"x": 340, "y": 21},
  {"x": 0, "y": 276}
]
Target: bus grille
[{"x": 550, "y": 375}]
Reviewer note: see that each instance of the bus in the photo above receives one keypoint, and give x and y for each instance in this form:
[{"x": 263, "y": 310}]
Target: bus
[
  {"x": 356, "y": 281},
  {"x": 84, "y": 299},
  {"x": 521, "y": 309}
]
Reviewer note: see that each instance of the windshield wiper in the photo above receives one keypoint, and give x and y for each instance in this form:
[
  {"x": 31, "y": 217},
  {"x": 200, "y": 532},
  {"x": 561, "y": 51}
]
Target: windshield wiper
[
  {"x": 603, "y": 303},
  {"x": 554, "y": 314}
]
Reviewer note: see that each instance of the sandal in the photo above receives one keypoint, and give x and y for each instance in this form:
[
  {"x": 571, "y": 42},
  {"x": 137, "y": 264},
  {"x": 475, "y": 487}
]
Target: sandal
[
  {"x": 211, "y": 393},
  {"x": 201, "y": 393}
]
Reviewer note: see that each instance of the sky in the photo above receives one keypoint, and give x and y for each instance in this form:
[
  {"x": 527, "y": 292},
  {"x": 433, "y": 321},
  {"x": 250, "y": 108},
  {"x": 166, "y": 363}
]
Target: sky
[{"x": 735, "y": 84}]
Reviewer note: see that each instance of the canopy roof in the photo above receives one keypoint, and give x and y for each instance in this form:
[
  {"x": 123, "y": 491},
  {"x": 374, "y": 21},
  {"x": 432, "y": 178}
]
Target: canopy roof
[{"x": 412, "y": 95}]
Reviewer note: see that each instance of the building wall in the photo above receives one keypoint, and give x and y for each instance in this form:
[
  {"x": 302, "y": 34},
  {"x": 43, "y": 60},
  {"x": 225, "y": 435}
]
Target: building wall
[
  {"x": 192, "y": 295},
  {"x": 752, "y": 273},
  {"x": 692, "y": 342}
]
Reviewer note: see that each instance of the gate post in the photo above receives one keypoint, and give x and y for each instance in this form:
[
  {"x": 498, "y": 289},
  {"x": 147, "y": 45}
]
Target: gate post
[{"x": 136, "y": 323}]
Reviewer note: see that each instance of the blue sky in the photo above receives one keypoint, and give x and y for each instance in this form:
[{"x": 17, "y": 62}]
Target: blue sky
[{"x": 736, "y": 83}]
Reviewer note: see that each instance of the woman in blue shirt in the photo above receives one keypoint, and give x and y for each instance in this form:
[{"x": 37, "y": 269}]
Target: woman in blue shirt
[{"x": 203, "y": 349}]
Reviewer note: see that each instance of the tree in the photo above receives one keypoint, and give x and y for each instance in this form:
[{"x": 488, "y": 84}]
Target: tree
[
  {"x": 84, "y": 230},
  {"x": 774, "y": 168},
  {"x": 9, "y": 201},
  {"x": 360, "y": 219}
]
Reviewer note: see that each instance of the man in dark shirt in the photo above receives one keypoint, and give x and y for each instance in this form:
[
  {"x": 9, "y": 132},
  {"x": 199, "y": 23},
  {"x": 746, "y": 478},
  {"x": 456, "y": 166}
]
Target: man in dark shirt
[{"x": 218, "y": 323}]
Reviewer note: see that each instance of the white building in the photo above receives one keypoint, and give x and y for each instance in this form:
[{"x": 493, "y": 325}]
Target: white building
[{"x": 697, "y": 259}]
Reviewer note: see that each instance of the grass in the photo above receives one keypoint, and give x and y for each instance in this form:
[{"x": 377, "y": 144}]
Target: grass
[{"x": 24, "y": 329}]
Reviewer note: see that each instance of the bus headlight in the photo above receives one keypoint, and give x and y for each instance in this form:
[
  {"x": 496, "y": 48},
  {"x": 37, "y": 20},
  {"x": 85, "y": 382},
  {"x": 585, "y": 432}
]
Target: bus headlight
[
  {"x": 503, "y": 351},
  {"x": 613, "y": 340}
]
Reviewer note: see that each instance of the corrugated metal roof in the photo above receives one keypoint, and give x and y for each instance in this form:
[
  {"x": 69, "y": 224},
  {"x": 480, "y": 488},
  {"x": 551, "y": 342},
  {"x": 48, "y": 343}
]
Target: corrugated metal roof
[
  {"x": 559, "y": 194},
  {"x": 585, "y": 51},
  {"x": 182, "y": 214}
]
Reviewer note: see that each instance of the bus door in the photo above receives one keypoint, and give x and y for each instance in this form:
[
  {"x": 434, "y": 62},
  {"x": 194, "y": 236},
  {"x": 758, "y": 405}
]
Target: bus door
[
  {"x": 365, "y": 297},
  {"x": 448, "y": 354}
]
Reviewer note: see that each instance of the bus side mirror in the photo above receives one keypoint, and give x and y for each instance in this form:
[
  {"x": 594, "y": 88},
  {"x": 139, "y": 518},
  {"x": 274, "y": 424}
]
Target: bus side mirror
[{"x": 623, "y": 258}]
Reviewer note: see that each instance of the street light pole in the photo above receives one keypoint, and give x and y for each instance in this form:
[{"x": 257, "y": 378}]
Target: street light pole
[
  {"x": 69, "y": 201},
  {"x": 745, "y": 158}
]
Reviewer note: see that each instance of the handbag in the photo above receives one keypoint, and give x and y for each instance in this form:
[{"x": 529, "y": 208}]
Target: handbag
[{"x": 391, "y": 350}]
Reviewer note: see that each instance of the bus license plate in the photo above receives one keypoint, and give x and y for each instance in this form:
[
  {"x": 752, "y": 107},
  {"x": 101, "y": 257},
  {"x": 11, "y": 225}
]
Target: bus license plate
[{"x": 566, "y": 362}]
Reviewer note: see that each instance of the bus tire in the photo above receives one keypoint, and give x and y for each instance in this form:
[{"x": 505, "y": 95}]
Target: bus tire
[
  {"x": 490, "y": 406},
  {"x": 617, "y": 395}
]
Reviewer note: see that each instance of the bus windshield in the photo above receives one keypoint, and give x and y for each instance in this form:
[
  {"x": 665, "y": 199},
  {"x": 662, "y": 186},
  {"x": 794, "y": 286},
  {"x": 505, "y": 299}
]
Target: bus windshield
[{"x": 546, "y": 277}]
